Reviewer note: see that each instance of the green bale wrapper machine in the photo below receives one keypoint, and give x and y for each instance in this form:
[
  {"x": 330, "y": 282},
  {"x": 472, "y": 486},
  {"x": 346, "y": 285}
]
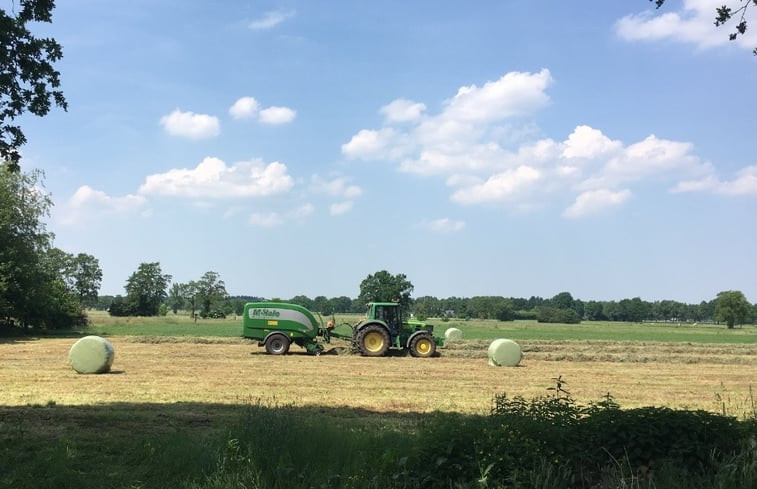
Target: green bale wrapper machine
[{"x": 276, "y": 325}]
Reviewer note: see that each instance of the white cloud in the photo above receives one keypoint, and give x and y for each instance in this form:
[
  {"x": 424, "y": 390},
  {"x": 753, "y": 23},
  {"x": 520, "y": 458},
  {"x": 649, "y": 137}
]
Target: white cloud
[
  {"x": 302, "y": 212},
  {"x": 87, "y": 202},
  {"x": 266, "y": 220},
  {"x": 402, "y": 110},
  {"x": 369, "y": 144},
  {"x": 470, "y": 144},
  {"x": 273, "y": 219},
  {"x": 745, "y": 183},
  {"x": 596, "y": 201},
  {"x": 271, "y": 19},
  {"x": 587, "y": 142},
  {"x": 339, "y": 187},
  {"x": 212, "y": 178},
  {"x": 445, "y": 225},
  {"x": 465, "y": 118},
  {"x": 514, "y": 94},
  {"x": 439, "y": 162},
  {"x": 249, "y": 108},
  {"x": 191, "y": 125},
  {"x": 498, "y": 187},
  {"x": 244, "y": 108},
  {"x": 651, "y": 158},
  {"x": 340, "y": 208},
  {"x": 692, "y": 24},
  {"x": 277, "y": 115},
  {"x": 86, "y": 196}
]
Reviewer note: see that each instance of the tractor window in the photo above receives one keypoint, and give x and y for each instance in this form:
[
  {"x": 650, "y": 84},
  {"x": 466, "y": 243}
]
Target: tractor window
[{"x": 390, "y": 315}]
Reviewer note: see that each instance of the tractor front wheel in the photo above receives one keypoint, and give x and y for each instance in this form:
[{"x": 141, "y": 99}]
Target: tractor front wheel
[
  {"x": 277, "y": 344},
  {"x": 423, "y": 346},
  {"x": 373, "y": 340}
]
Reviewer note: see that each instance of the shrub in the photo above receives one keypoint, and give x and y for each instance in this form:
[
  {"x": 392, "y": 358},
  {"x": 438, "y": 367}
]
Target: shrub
[
  {"x": 554, "y": 315},
  {"x": 572, "y": 445}
]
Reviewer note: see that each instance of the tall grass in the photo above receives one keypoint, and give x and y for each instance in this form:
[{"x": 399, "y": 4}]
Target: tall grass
[{"x": 542, "y": 443}]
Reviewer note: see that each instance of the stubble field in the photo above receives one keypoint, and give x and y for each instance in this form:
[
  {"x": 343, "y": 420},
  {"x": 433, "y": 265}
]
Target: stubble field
[{"x": 231, "y": 371}]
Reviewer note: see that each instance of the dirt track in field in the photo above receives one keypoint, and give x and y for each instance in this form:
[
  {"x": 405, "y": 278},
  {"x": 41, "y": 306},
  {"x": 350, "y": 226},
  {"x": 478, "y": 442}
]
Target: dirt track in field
[{"x": 238, "y": 372}]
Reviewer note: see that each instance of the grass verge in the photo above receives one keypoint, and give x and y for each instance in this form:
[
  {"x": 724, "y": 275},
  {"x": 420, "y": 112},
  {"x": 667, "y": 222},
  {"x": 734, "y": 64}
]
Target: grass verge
[{"x": 546, "y": 442}]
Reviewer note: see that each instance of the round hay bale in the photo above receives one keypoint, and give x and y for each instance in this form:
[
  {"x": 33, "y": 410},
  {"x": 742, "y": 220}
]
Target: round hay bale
[
  {"x": 91, "y": 355},
  {"x": 504, "y": 353},
  {"x": 453, "y": 334}
]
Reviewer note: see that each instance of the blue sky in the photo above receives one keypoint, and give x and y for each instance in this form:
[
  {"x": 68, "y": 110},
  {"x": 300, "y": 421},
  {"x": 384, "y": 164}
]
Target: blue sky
[{"x": 490, "y": 148}]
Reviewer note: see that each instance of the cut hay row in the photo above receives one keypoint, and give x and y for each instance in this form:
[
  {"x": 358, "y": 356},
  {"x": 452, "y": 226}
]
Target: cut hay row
[
  {"x": 548, "y": 350},
  {"x": 183, "y": 339},
  {"x": 622, "y": 352},
  {"x": 38, "y": 372}
]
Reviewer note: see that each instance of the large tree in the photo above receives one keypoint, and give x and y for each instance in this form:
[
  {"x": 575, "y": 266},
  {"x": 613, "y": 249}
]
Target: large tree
[
  {"x": 146, "y": 289},
  {"x": 33, "y": 288},
  {"x": 81, "y": 273},
  {"x": 731, "y": 307},
  {"x": 211, "y": 292},
  {"x": 28, "y": 81},
  {"x": 384, "y": 287},
  {"x": 24, "y": 241},
  {"x": 176, "y": 297}
]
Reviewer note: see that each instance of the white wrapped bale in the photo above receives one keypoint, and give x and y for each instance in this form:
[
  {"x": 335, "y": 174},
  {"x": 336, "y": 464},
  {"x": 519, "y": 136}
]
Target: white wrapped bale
[
  {"x": 504, "y": 353},
  {"x": 91, "y": 355},
  {"x": 453, "y": 334}
]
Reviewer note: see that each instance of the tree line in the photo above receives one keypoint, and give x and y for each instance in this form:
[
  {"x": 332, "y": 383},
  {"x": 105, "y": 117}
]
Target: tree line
[
  {"x": 207, "y": 298},
  {"x": 563, "y": 308}
]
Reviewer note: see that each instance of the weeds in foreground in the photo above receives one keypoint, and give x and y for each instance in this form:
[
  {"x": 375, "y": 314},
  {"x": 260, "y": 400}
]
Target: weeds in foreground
[{"x": 551, "y": 442}]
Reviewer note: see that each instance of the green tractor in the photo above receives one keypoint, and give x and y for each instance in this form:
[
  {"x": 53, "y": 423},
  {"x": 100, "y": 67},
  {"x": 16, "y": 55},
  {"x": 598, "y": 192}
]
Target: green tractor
[
  {"x": 276, "y": 325},
  {"x": 383, "y": 327}
]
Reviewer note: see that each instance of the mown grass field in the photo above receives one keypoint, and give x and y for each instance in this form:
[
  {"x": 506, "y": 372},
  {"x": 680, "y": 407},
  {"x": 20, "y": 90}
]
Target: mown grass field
[
  {"x": 173, "y": 359},
  {"x": 179, "y": 392}
]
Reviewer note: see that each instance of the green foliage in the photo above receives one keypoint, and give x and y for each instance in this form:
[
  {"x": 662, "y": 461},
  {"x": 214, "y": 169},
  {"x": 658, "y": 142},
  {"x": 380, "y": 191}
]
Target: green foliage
[
  {"x": 731, "y": 307},
  {"x": 385, "y": 287},
  {"x": 28, "y": 82},
  {"x": 554, "y": 315},
  {"x": 563, "y": 300},
  {"x": 210, "y": 291},
  {"x": 37, "y": 286},
  {"x": 582, "y": 444},
  {"x": 510, "y": 308},
  {"x": 81, "y": 274},
  {"x": 145, "y": 291},
  {"x": 208, "y": 294},
  {"x": 176, "y": 298},
  {"x": 86, "y": 278},
  {"x": 119, "y": 306},
  {"x": 548, "y": 442}
]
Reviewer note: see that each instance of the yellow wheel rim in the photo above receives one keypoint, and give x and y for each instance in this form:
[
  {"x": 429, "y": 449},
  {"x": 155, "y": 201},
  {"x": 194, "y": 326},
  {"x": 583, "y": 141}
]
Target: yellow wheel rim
[
  {"x": 374, "y": 341},
  {"x": 423, "y": 346}
]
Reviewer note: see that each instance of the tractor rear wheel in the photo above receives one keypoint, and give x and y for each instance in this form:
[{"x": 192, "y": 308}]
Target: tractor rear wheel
[
  {"x": 373, "y": 340},
  {"x": 423, "y": 346},
  {"x": 277, "y": 344}
]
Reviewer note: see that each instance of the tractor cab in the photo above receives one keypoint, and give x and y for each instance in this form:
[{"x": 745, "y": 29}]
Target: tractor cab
[{"x": 389, "y": 313}]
